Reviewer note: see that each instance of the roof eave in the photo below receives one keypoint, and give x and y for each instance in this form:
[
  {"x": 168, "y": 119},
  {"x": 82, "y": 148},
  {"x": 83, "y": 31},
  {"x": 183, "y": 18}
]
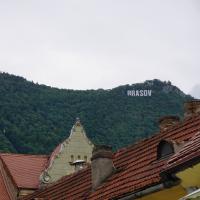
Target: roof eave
[
  {"x": 141, "y": 193},
  {"x": 182, "y": 166}
]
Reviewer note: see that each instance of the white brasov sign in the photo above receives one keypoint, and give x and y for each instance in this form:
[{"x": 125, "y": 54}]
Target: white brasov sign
[{"x": 139, "y": 93}]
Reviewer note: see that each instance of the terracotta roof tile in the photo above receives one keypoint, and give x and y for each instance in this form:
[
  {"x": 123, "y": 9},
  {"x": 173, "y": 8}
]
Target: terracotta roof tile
[
  {"x": 137, "y": 165},
  {"x": 25, "y": 169},
  {"x": 190, "y": 151},
  {"x": 3, "y": 191}
]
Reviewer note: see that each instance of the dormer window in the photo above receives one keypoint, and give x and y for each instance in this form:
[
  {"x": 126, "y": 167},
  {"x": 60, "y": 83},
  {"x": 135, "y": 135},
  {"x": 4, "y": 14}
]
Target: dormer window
[{"x": 164, "y": 149}]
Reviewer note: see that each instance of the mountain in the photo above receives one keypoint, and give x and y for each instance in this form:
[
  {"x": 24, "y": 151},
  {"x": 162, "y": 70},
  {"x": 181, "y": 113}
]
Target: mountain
[{"x": 35, "y": 118}]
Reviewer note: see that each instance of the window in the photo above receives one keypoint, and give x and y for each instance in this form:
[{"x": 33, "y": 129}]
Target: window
[
  {"x": 85, "y": 158},
  {"x": 72, "y": 158},
  {"x": 79, "y": 157},
  {"x": 165, "y": 149}
]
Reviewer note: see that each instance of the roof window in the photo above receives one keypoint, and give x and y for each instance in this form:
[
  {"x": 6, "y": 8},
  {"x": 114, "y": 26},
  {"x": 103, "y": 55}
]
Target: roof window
[{"x": 165, "y": 149}]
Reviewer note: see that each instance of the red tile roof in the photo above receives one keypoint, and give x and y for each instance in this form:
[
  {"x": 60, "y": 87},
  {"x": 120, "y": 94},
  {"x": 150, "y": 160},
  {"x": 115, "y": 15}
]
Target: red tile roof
[
  {"x": 137, "y": 165},
  {"x": 190, "y": 151},
  {"x": 3, "y": 191},
  {"x": 25, "y": 169}
]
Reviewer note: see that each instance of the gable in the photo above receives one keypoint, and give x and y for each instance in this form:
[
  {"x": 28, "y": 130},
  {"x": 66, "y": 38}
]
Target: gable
[{"x": 76, "y": 147}]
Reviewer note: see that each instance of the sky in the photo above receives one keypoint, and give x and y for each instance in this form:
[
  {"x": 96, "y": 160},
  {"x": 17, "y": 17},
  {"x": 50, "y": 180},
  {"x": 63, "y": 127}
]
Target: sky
[{"x": 92, "y": 44}]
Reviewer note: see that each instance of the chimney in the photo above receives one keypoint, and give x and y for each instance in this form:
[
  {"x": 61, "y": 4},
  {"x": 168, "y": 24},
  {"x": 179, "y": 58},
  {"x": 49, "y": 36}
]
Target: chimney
[
  {"x": 101, "y": 164},
  {"x": 168, "y": 121},
  {"x": 191, "y": 108}
]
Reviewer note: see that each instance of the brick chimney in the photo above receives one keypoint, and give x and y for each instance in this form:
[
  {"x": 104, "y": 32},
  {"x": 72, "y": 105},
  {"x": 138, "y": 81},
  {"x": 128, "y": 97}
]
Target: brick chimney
[
  {"x": 168, "y": 121},
  {"x": 191, "y": 108},
  {"x": 101, "y": 164}
]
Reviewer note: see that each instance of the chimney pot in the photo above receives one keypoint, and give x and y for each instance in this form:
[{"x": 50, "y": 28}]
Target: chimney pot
[
  {"x": 168, "y": 121},
  {"x": 191, "y": 108},
  {"x": 102, "y": 164}
]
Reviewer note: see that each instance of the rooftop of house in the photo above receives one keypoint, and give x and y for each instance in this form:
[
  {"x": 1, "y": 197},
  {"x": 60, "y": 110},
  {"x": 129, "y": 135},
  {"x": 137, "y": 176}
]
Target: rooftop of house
[
  {"x": 25, "y": 170},
  {"x": 137, "y": 167}
]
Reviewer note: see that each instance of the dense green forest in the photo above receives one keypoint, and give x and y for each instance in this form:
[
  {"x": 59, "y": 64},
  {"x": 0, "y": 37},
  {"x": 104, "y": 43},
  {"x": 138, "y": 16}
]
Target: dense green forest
[{"x": 35, "y": 118}]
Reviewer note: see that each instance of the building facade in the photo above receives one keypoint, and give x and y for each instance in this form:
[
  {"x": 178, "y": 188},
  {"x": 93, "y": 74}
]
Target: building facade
[{"x": 72, "y": 153}]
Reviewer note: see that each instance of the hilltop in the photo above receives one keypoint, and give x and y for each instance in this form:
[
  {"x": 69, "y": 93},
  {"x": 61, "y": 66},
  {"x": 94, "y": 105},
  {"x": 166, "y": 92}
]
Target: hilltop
[{"x": 35, "y": 118}]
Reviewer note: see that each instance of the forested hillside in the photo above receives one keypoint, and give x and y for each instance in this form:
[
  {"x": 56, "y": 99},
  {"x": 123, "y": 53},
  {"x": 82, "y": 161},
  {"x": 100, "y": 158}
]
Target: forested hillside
[{"x": 35, "y": 118}]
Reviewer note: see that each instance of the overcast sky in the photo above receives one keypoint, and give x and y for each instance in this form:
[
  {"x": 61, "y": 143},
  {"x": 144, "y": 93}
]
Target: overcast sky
[{"x": 83, "y": 44}]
